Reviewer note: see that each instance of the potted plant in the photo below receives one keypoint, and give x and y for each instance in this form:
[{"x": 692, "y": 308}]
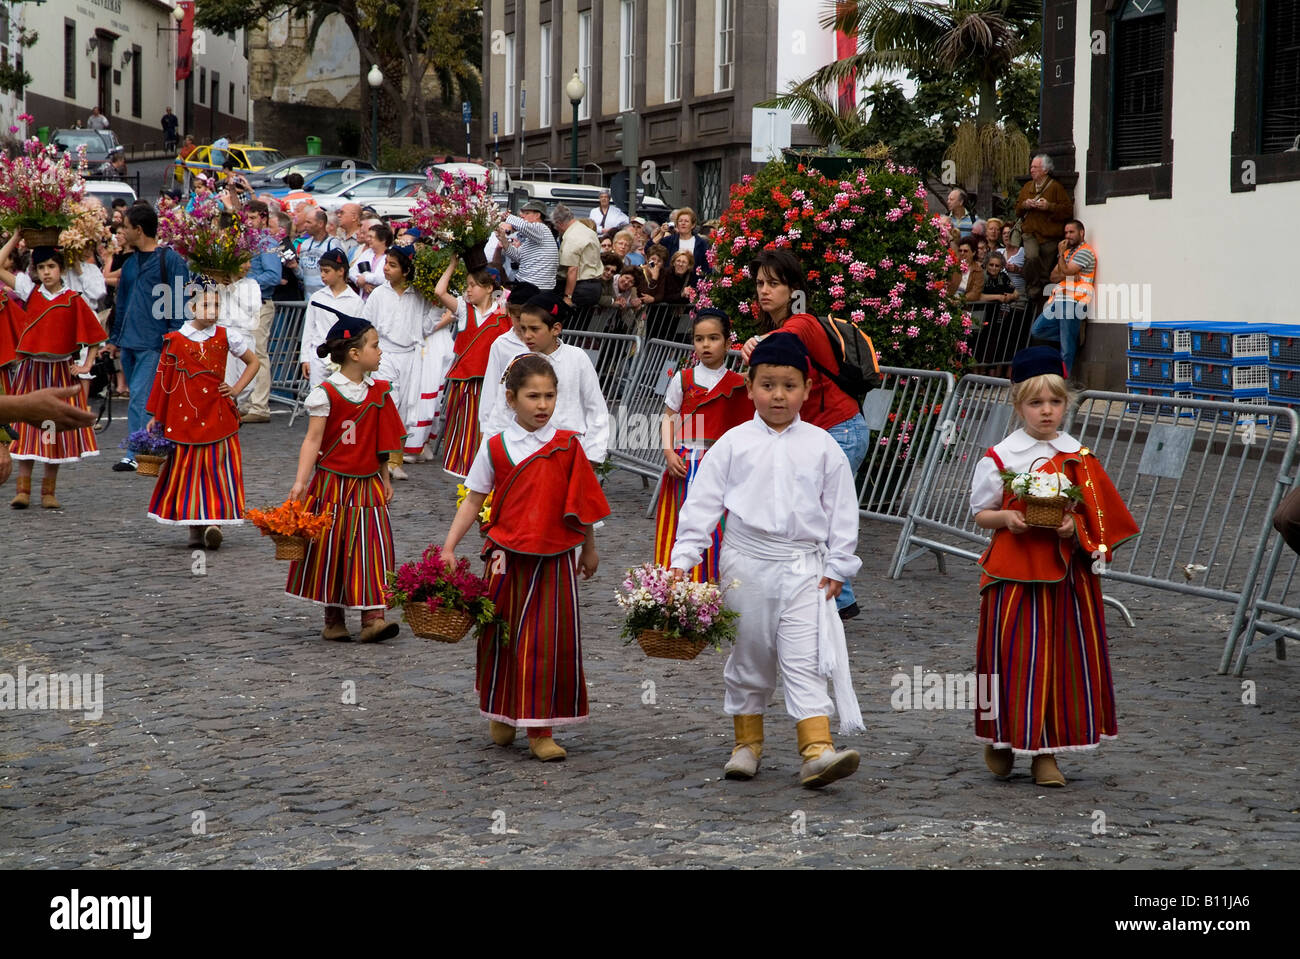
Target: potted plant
[
  {"x": 291, "y": 526},
  {"x": 37, "y": 190},
  {"x": 439, "y": 601},
  {"x": 673, "y": 618},
  {"x": 150, "y": 447}
]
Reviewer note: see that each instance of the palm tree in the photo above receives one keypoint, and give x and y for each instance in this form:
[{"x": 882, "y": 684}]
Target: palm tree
[{"x": 977, "y": 40}]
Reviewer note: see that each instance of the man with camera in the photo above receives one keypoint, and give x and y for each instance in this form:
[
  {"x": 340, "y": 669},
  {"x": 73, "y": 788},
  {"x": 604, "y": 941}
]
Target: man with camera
[{"x": 266, "y": 270}]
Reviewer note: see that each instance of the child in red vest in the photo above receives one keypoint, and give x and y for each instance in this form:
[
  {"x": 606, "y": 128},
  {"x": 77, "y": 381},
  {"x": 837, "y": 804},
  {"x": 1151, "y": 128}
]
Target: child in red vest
[
  {"x": 55, "y": 324},
  {"x": 546, "y": 499},
  {"x": 706, "y": 400},
  {"x": 343, "y": 467},
  {"x": 480, "y": 320},
  {"x": 1042, "y": 629},
  {"x": 201, "y": 484}
]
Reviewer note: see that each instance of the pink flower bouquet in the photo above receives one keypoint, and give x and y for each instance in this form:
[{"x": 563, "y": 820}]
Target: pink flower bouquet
[
  {"x": 654, "y": 602},
  {"x": 39, "y": 187}
]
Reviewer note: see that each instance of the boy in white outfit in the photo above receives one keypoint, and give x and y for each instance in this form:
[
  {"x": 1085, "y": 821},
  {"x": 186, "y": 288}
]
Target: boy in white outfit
[{"x": 791, "y": 539}]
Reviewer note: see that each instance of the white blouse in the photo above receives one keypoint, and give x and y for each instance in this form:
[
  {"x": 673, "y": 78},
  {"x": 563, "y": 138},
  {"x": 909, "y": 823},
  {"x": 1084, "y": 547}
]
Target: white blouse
[
  {"x": 519, "y": 443},
  {"x": 318, "y": 401},
  {"x": 1018, "y": 453}
]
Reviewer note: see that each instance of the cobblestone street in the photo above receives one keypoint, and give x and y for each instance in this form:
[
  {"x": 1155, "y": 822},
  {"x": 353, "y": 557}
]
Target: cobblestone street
[{"x": 225, "y": 738}]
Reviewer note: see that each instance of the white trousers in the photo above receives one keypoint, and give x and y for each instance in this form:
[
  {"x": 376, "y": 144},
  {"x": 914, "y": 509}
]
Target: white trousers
[
  {"x": 402, "y": 370},
  {"x": 779, "y": 605}
]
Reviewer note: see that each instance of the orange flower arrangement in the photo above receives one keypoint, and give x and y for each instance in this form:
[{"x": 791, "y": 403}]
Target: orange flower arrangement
[{"x": 291, "y": 519}]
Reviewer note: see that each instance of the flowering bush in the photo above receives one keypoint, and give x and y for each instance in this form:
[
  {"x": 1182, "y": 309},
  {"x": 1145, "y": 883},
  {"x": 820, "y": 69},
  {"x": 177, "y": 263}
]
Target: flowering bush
[
  {"x": 652, "y": 599},
  {"x": 150, "y": 442},
  {"x": 291, "y": 518},
  {"x": 216, "y": 244},
  {"x": 871, "y": 251},
  {"x": 463, "y": 216},
  {"x": 430, "y": 581},
  {"x": 86, "y": 230},
  {"x": 38, "y": 187}
]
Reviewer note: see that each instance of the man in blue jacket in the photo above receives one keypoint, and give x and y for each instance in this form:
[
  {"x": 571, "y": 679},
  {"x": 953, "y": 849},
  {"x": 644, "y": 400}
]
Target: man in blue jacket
[{"x": 150, "y": 303}]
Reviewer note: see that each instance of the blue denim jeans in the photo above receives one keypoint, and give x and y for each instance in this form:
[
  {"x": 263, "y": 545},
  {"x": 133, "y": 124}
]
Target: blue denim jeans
[
  {"x": 853, "y": 437},
  {"x": 139, "y": 367},
  {"x": 1059, "y": 323}
]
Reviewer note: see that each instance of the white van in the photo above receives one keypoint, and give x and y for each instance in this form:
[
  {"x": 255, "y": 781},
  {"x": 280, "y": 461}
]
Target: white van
[
  {"x": 109, "y": 190},
  {"x": 578, "y": 197}
]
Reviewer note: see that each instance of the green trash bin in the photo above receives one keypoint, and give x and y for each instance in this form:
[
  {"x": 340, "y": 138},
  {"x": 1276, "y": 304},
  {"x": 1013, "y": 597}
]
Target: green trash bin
[
  {"x": 43, "y": 134},
  {"x": 313, "y": 146}
]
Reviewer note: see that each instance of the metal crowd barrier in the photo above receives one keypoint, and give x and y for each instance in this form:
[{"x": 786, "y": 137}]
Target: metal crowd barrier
[
  {"x": 1277, "y": 595},
  {"x": 283, "y": 348},
  {"x": 613, "y": 355},
  {"x": 1001, "y": 330},
  {"x": 903, "y": 414}
]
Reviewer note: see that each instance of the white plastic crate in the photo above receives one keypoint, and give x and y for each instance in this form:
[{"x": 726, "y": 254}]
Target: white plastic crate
[
  {"x": 1227, "y": 345},
  {"x": 1225, "y": 377}
]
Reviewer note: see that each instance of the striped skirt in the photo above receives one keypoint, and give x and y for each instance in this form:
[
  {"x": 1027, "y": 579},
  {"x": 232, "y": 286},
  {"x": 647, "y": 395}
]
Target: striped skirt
[
  {"x": 672, "y": 494},
  {"x": 462, "y": 439},
  {"x": 1042, "y": 647},
  {"x": 68, "y": 446},
  {"x": 535, "y": 678},
  {"x": 349, "y": 565},
  {"x": 200, "y": 485}
]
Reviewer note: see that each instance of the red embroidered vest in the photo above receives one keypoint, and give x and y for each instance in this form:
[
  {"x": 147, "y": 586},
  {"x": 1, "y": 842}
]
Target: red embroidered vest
[
  {"x": 475, "y": 343},
  {"x": 186, "y": 397},
  {"x": 53, "y": 329},
  {"x": 707, "y": 414},
  {"x": 359, "y": 436}
]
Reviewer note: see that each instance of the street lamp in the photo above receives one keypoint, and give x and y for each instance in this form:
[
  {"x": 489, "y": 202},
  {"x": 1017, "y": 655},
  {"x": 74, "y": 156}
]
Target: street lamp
[
  {"x": 375, "y": 78},
  {"x": 178, "y": 15},
  {"x": 575, "y": 90}
]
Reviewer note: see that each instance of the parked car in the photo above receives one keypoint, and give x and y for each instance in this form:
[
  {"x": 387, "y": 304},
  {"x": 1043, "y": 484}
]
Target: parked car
[
  {"x": 109, "y": 190},
  {"x": 99, "y": 144},
  {"x": 471, "y": 171},
  {"x": 399, "y": 206},
  {"x": 578, "y": 197},
  {"x": 272, "y": 176},
  {"x": 247, "y": 156},
  {"x": 368, "y": 190},
  {"x": 322, "y": 181}
]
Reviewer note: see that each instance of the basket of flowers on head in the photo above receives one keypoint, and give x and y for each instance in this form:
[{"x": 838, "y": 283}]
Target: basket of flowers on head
[
  {"x": 291, "y": 527},
  {"x": 1046, "y": 496},
  {"x": 673, "y": 618},
  {"x": 440, "y": 601}
]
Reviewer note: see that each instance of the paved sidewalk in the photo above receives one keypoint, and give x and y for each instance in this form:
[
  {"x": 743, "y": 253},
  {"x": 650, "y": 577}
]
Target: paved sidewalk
[{"x": 225, "y": 739}]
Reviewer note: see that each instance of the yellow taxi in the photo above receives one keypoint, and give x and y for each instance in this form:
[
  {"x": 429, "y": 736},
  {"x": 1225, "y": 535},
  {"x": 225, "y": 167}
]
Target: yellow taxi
[{"x": 211, "y": 158}]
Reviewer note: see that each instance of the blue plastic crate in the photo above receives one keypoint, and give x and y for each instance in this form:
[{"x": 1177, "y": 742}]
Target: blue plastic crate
[
  {"x": 1158, "y": 370},
  {"x": 1284, "y": 348},
  {"x": 1242, "y": 398},
  {"x": 1229, "y": 377},
  {"x": 1164, "y": 409},
  {"x": 1160, "y": 338},
  {"x": 1284, "y": 382},
  {"x": 1227, "y": 342}
]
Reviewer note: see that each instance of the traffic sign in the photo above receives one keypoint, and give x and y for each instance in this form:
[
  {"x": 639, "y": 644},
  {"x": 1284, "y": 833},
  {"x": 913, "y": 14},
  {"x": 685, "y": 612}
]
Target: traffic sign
[{"x": 465, "y": 111}]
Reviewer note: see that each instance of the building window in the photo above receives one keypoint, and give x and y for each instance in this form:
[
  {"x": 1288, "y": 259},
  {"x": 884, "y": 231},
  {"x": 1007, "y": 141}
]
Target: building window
[
  {"x": 512, "y": 104},
  {"x": 137, "y": 81},
  {"x": 626, "y": 55},
  {"x": 1130, "y": 144},
  {"x": 1266, "y": 124},
  {"x": 69, "y": 58},
  {"x": 203, "y": 84},
  {"x": 584, "y": 62},
  {"x": 673, "y": 51},
  {"x": 544, "y": 88},
  {"x": 724, "y": 49}
]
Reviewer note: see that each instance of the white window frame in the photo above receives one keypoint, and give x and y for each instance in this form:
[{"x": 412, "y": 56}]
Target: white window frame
[
  {"x": 544, "y": 70},
  {"x": 626, "y": 55},
  {"x": 724, "y": 46},
  {"x": 584, "y": 62},
  {"x": 512, "y": 95},
  {"x": 673, "y": 51}
]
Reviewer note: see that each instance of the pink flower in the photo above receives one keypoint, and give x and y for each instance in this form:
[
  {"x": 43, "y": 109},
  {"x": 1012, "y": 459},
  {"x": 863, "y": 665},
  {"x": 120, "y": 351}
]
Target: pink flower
[{"x": 13, "y": 129}]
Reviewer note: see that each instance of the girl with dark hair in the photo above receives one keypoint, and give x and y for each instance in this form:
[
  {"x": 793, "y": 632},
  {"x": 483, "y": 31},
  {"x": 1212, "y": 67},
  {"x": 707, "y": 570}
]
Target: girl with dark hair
[
  {"x": 781, "y": 287},
  {"x": 545, "y": 502},
  {"x": 343, "y": 467}
]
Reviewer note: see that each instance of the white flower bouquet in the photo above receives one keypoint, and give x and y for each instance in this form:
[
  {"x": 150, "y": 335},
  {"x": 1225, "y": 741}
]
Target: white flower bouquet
[{"x": 1046, "y": 495}]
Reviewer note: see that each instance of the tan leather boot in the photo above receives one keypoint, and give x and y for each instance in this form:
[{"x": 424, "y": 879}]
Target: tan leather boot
[
  {"x": 23, "y": 489},
  {"x": 749, "y": 747},
  {"x": 503, "y": 734},
  {"x": 1045, "y": 771},
  {"x": 546, "y": 749},
  {"x": 47, "y": 493},
  {"x": 822, "y": 764},
  {"x": 999, "y": 761}
]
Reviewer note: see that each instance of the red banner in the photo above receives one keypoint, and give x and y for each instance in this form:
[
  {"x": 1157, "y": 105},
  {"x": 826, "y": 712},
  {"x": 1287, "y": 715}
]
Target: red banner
[
  {"x": 185, "y": 41},
  {"x": 846, "y": 45}
]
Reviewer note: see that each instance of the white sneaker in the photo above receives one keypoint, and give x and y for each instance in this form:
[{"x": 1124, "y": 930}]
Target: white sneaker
[
  {"x": 828, "y": 767},
  {"x": 397, "y": 473},
  {"x": 743, "y": 764},
  {"x": 426, "y": 456}
]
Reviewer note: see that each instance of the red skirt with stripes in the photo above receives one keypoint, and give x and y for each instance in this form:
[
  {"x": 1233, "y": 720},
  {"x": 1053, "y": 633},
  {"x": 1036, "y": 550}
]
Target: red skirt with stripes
[
  {"x": 462, "y": 438},
  {"x": 349, "y": 565},
  {"x": 535, "y": 678},
  {"x": 1042, "y": 647},
  {"x": 67, "y": 446},
  {"x": 672, "y": 494},
  {"x": 200, "y": 484}
]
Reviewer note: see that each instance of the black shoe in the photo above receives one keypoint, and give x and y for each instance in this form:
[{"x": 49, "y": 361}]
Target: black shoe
[
  {"x": 124, "y": 465},
  {"x": 850, "y": 611}
]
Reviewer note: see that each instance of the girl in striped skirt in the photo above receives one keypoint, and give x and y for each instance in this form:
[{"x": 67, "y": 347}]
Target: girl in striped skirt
[
  {"x": 546, "y": 499},
  {"x": 201, "y": 483},
  {"x": 480, "y": 320},
  {"x": 55, "y": 324},
  {"x": 700, "y": 404},
  {"x": 343, "y": 466},
  {"x": 1042, "y": 653}
]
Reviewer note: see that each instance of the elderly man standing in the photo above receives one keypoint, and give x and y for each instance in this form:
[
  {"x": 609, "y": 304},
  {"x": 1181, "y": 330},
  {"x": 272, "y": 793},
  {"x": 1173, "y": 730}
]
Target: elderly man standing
[
  {"x": 579, "y": 259},
  {"x": 606, "y": 215},
  {"x": 1043, "y": 206},
  {"x": 351, "y": 228},
  {"x": 536, "y": 255},
  {"x": 313, "y": 223}
]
